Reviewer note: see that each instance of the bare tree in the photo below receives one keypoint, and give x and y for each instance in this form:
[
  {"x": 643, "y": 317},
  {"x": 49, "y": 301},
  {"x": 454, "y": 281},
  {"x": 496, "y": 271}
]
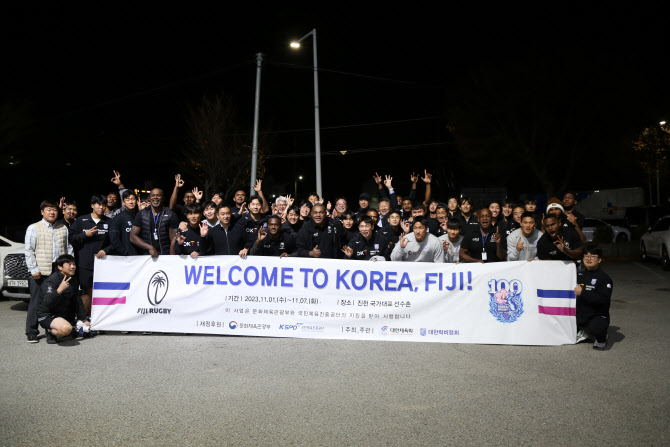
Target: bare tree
[
  {"x": 219, "y": 154},
  {"x": 652, "y": 147}
]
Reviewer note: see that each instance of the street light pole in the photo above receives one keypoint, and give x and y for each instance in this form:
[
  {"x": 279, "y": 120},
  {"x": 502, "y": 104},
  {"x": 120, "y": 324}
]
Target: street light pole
[
  {"x": 317, "y": 125},
  {"x": 254, "y": 146}
]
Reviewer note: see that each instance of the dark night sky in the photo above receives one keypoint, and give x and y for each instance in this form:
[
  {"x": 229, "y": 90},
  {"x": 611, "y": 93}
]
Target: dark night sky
[{"x": 91, "y": 90}]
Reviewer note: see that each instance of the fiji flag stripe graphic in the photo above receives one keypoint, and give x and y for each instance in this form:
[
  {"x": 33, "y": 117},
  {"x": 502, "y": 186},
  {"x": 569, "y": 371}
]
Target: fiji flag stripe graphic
[
  {"x": 556, "y": 302},
  {"x": 111, "y": 288}
]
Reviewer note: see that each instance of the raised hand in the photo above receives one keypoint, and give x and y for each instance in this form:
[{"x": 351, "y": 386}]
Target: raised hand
[
  {"x": 427, "y": 178},
  {"x": 403, "y": 242},
  {"x": 204, "y": 229},
  {"x": 414, "y": 177},
  {"x": 315, "y": 253},
  {"x": 61, "y": 204},
  {"x": 405, "y": 227},
  {"x": 387, "y": 182},
  {"x": 198, "y": 194},
  {"x": 180, "y": 238},
  {"x": 92, "y": 231},
  {"x": 143, "y": 205},
  {"x": 329, "y": 206},
  {"x": 559, "y": 243},
  {"x": 273, "y": 209},
  {"x": 496, "y": 236},
  {"x": 117, "y": 178},
  {"x": 445, "y": 245},
  {"x": 257, "y": 186},
  {"x": 183, "y": 226},
  {"x": 377, "y": 178},
  {"x": 178, "y": 182},
  {"x": 519, "y": 245},
  {"x": 261, "y": 235},
  {"x": 243, "y": 208},
  {"x": 348, "y": 251},
  {"x": 64, "y": 285},
  {"x": 289, "y": 201}
]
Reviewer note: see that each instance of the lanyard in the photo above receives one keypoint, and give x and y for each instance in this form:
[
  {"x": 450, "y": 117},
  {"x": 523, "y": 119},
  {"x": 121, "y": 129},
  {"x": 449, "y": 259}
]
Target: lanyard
[
  {"x": 156, "y": 218},
  {"x": 484, "y": 239}
]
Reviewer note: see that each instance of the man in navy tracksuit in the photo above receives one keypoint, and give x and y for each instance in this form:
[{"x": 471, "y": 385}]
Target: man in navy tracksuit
[
  {"x": 90, "y": 234},
  {"x": 120, "y": 226},
  {"x": 594, "y": 293}
]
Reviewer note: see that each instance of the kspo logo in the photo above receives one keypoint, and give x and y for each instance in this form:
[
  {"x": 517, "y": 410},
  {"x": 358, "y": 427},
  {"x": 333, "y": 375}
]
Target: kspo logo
[
  {"x": 289, "y": 327},
  {"x": 157, "y": 288}
]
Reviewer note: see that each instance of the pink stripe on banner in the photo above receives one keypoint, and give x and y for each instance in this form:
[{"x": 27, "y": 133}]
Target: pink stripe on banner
[
  {"x": 564, "y": 311},
  {"x": 108, "y": 301}
]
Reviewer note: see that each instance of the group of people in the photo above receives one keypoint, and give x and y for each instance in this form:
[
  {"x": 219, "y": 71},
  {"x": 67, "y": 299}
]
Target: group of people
[{"x": 60, "y": 253}]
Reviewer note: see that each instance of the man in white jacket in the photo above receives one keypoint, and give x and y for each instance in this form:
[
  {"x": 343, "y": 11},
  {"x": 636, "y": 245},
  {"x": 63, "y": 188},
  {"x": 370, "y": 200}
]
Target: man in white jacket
[
  {"x": 419, "y": 245},
  {"x": 522, "y": 242}
]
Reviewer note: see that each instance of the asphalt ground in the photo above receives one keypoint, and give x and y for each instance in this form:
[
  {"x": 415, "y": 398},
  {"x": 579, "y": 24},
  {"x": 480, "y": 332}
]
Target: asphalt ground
[{"x": 164, "y": 390}]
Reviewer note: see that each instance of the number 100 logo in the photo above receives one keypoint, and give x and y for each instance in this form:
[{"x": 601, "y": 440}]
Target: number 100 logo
[{"x": 505, "y": 303}]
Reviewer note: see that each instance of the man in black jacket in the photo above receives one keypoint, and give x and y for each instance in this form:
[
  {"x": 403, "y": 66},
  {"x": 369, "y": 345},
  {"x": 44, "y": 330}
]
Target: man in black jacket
[
  {"x": 120, "y": 226},
  {"x": 368, "y": 244},
  {"x": 274, "y": 242},
  {"x": 229, "y": 238},
  {"x": 60, "y": 303},
  {"x": 154, "y": 227},
  {"x": 90, "y": 234},
  {"x": 558, "y": 243},
  {"x": 319, "y": 237},
  {"x": 187, "y": 241},
  {"x": 594, "y": 292}
]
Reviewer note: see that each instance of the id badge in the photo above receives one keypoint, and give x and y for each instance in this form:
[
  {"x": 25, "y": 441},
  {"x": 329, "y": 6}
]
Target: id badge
[
  {"x": 483, "y": 256},
  {"x": 155, "y": 236}
]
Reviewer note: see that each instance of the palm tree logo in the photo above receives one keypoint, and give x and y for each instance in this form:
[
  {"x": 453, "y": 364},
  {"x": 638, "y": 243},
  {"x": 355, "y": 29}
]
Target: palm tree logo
[{"x": 157, "y": 288}]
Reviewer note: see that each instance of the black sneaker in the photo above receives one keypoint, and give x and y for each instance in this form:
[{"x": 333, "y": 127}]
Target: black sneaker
[
  {"x": 32, "y": 338},
  {"x": 51, "y": 338},
  {"x": 74, "y": 333}
]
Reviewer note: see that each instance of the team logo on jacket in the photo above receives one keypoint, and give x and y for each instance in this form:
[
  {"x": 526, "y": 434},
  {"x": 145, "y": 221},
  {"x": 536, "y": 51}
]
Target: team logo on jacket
[
  {"x": 505, "y": 303},
  {"x": 157, "y": 287},
  {"x": 593, "y": 281}
]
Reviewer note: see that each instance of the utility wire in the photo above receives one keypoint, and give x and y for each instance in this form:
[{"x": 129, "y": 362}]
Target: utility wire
[
  {"x": 360, "y": 151},
  {"x": 349, "y": 73},
  {"x": 346, "y": 126}
]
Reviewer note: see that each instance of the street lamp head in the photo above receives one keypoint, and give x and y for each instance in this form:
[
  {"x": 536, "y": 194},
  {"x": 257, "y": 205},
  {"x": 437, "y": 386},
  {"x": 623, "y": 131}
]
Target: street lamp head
[
  {"x": 295, "y": 45},
  {"x": 662, "y": 123},
  {"x": 300, "y": 178}
]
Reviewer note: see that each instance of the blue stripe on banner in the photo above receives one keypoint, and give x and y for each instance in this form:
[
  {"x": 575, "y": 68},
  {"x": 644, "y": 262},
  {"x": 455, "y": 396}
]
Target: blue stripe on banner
[
  {"x": 543, "y": 293},
  {"x": 111, "y": 285}
]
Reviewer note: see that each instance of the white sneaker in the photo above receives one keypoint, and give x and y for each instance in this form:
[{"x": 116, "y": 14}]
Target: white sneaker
[{"x": 582, "y": 335}]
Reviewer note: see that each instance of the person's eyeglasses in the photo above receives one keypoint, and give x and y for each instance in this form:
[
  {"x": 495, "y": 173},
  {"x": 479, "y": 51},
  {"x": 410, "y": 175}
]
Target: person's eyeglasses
[{"x": 594, "y": 257}]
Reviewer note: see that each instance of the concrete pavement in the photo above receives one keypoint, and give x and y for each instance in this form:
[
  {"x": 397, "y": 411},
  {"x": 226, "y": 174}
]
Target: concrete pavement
[{"x": 214, "y": 390}]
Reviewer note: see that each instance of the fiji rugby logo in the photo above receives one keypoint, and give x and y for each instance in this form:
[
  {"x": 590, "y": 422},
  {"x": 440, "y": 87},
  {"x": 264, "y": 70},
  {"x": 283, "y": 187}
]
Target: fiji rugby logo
[
  {"x": 157, "y": 288},
  {"x": 505, "y": 303}
]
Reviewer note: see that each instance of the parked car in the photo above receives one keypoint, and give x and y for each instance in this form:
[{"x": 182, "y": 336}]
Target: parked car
[
  {"x": 621, "y": 234},
  {"x": 13, "y": 270},
  {"x": 655, "y": 243}
]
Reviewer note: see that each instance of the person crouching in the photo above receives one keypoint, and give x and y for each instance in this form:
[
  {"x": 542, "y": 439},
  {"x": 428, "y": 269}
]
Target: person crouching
[{"x": 60, "y": 303}]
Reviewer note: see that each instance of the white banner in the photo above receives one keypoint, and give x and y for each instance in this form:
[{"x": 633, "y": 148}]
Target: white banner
[{"x": 519, "y": 303}]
